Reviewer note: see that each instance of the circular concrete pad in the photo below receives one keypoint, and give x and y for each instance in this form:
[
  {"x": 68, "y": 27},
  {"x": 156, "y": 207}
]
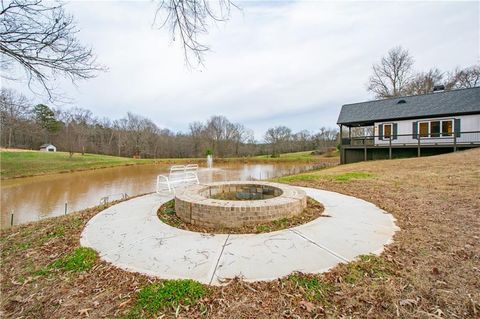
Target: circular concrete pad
[{"x": 130, "y": 236}]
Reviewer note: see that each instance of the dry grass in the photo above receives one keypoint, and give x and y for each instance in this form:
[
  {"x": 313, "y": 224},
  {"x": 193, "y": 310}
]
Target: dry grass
[
  {"x": 432, "y": 270},
  {"x": 436, "y": 201}
]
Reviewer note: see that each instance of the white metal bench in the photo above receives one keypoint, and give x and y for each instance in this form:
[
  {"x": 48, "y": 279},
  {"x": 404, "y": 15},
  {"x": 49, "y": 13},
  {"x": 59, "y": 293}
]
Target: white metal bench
[{"x": 179, "y": 175}]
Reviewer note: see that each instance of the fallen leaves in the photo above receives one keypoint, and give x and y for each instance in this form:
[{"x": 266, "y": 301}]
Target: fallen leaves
[
  {"x": 408, "y": 302},
  {"x": 18, "y": 299},
  {"x": 125, "y": 303},
  {"x": 435, "y": 271},
  {"x": 84, "y": 312},
  {"x": 308, "y": 306}
]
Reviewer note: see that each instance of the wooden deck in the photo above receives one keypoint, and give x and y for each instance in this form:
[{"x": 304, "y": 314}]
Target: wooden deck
[{"x": 355, "y": 149}]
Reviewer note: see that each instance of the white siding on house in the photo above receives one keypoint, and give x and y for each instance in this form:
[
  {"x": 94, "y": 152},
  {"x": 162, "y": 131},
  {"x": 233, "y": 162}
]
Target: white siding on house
[{"x": 468, "y": 123}]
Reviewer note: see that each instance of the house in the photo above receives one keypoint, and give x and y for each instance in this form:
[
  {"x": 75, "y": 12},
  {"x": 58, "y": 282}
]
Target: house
[
  {"x": 419, "y": 125},
  {"x": 48, "y": 148}
]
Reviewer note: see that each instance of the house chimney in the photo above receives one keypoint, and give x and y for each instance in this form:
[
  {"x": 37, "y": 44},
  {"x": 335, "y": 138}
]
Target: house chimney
[{"x": 438, "y": 88}]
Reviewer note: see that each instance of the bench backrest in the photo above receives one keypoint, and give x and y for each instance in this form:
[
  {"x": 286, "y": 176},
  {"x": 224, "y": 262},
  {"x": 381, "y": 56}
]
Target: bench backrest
[
  {"x": 191, "y": 168},
  {"x": 178, "y": 172}
]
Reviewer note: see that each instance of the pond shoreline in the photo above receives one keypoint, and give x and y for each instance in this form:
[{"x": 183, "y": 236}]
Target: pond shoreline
[
  {"x": 8, "y": 168},
  {"x": 37, "y": 197}
]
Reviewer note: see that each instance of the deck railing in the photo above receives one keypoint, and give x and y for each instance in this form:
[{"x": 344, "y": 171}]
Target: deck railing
[
  {"x": 418, "y": 141},
  {"x": 440, "y": 139}
]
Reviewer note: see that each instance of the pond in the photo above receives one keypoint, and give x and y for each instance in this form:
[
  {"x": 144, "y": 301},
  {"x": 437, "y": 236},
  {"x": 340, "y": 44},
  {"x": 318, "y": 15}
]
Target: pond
[{"x": 34, "y": 198}]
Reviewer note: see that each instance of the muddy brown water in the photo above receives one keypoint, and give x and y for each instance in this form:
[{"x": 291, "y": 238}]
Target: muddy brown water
[{"x": 34, "y": 198}]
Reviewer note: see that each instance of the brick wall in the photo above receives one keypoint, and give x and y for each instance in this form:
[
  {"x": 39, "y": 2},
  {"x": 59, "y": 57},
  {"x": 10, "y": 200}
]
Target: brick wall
[{"x": 194, "y": 206}]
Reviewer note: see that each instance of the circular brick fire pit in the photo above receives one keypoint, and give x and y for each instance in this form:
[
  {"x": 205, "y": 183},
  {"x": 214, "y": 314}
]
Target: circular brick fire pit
[{"x": 238, "y": 204}]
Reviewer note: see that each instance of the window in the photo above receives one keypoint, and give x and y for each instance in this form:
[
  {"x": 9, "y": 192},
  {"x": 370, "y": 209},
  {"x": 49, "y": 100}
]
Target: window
[
  {"x": 447, "y": 128},
  {"x": 387, "y": 131},
  {"x": 435, "y": 129},
  {"x": 424, "y": 129}
]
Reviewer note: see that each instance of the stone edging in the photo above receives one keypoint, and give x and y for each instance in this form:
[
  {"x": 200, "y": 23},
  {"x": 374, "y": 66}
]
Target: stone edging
[{"x": 194, "y": 206}]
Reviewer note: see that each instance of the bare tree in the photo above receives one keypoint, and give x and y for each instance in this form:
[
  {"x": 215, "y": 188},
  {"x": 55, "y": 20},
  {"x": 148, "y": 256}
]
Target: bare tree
[
  {"x": 276, "y": 136},
  {"x": 240, "y": 136},
  {"x": 464, "y": 78},
  {"x": 13, "y": 110},
  {"x": 216, "y": 131},
  {"x": 197, "y": 131},
  {"x": 391, "y": 76},
  {"x": 423, "y": 82},
  {"x": 301, "y": 141},
  {"x": 120, "y": 127},
  {"x": 188, "y": 20},
  {"x": 81, "y": 122},
  {"x": 41, "y": 39}
]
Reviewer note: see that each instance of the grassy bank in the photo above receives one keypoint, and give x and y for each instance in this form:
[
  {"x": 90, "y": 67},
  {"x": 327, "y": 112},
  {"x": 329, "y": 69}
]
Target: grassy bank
[
  {"x": 21, "y": 164},
  {"x": 299, "y": 156},
  {"x": 30, "y": 163},
  {"x": 431, "y": 270}
]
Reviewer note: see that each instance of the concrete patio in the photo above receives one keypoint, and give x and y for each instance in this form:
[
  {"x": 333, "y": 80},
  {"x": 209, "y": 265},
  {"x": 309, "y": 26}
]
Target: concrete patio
[{"x": 131, "y": 236}]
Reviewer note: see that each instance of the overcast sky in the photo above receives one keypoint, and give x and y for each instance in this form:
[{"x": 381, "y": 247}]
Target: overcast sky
[{"x": 272, "y": 63}]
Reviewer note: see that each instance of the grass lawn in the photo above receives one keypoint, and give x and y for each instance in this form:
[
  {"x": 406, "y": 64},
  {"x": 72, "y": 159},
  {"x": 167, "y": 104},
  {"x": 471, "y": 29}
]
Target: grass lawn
[
  {"x": 430, "y": 270},
  {"x": 299, "y": 156},
  {"x": 19, "y": 164},
  {"x": 29, "y": 163}
]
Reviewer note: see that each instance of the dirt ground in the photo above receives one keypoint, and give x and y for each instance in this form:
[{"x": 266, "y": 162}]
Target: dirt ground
[{"x": 431, "y": 270}]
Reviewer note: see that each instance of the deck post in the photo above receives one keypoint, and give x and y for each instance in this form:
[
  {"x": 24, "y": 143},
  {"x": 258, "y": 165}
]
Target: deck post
[
  {"x": 342, "y": 156},
  {"x": 454, "y": 142},
  {"x": 390, "y": 148},
  {"x": 365, "y": 149},
  {"x": 418, "y": 151}
]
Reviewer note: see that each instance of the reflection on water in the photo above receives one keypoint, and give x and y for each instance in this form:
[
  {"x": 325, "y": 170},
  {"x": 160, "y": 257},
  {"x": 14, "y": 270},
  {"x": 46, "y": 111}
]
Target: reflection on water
[{"x": 34, "y": 198}]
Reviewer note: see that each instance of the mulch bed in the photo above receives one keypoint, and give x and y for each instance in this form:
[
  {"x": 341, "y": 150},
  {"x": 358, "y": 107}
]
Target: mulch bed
[
  {"x": 431, "y": 270},
  {"x": 314, "y": 209}
]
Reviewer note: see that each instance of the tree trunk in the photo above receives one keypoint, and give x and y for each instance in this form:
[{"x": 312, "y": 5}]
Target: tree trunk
[{"x": 10, "y": 133}]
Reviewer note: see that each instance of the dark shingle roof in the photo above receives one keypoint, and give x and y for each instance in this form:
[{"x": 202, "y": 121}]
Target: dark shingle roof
[{"x": 456, "y": 102}]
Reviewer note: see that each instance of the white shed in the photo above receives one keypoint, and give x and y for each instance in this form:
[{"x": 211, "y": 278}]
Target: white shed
[{"x": 48, "y": 148}]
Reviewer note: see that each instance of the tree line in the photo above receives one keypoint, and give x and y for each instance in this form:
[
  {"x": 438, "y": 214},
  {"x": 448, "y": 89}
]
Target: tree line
[{"x": 76, "y": 130}]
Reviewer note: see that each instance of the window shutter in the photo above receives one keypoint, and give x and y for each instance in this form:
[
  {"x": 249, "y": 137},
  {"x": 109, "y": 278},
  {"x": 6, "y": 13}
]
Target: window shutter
[
  {"x": 415, "y": 130},
  {"x": 457, "y": 127},
  {"x": 395, "y": 131},
  {"x": 380, "y": 132}
]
